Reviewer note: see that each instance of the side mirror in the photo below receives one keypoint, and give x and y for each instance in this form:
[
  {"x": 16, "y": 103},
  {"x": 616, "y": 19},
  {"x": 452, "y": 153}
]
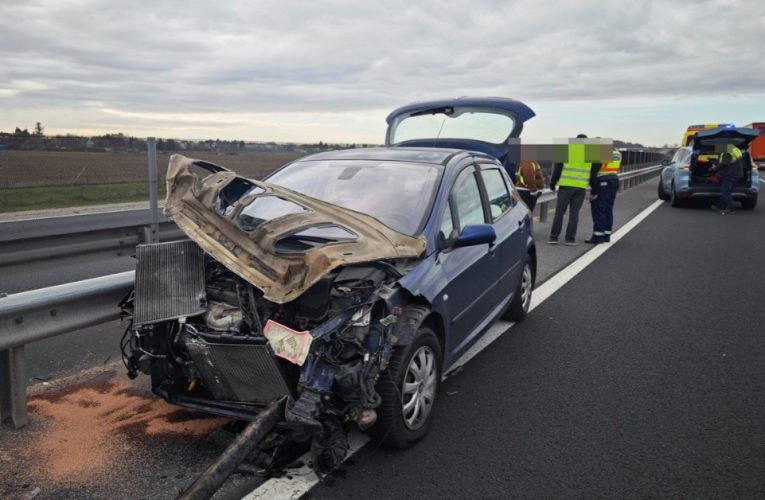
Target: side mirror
[
  {"x": 666, "y": 162},
  {"x": 476, "y": 234}
]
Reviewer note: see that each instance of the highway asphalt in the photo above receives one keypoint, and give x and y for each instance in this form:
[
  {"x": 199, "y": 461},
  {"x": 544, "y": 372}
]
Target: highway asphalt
[{"x": 641, "y": 377}]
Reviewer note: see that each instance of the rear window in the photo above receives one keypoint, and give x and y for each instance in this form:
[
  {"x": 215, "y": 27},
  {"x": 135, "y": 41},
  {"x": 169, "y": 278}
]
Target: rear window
[{"x": 493, "y": 128}]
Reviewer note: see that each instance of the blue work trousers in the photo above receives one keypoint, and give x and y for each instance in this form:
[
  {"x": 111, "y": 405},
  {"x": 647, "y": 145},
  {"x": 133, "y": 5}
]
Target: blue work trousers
[
  {"x": 726, "y": 193},
  {"x": 603, "y": 206}
]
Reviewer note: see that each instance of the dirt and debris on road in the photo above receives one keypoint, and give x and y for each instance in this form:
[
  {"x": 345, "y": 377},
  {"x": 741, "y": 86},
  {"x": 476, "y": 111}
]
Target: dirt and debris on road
[{"x": 106, "y": 437}]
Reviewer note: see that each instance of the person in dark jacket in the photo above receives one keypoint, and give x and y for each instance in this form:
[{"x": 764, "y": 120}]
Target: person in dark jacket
[{"x": 728, "y": 170}]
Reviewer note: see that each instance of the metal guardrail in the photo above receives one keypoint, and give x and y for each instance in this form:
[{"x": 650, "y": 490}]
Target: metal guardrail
[
  {"x": 635, "y": 175},
  {"x": 112, "y": 242},
  {"x": 38, "y": 314}
]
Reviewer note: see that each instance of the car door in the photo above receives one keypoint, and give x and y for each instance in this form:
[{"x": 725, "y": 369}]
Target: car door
[
  {"x": 511, "y": 221},
  {"x": 471, "y": 272},
  {"x": 668, "y": 173}
]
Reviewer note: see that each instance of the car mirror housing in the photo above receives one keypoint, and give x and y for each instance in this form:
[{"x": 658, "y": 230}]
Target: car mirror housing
[
  {"x": 665, "y": 162},
  {"x": 476, "y": 234}
]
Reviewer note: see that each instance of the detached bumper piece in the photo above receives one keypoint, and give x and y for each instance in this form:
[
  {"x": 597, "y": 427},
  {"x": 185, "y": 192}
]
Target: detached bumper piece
[{"x": 215, "y": 475}]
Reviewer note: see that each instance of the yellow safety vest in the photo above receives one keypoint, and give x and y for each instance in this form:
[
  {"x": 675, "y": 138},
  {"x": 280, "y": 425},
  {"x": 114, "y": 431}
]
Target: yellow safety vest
[
  {"x": 611, "y": 167},
  {"x": 576, "y": 171},
  {"x": 734, "y": 151}
]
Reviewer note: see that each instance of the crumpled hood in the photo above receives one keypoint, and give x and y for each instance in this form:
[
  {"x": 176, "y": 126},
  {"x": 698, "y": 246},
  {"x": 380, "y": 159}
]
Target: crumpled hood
[{"x": 281, "y": 276}]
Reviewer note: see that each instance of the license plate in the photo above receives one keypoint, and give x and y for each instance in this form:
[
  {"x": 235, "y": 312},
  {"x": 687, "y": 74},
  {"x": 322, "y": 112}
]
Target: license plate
[{"x": 288, "y": 343}]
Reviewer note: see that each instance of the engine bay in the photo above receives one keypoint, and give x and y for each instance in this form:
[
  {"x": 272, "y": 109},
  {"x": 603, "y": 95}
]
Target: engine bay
[{"x": 209, "y": 340}]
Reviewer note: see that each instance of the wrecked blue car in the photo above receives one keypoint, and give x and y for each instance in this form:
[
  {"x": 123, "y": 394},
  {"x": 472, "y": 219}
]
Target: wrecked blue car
[{"x": 347, "y": 282}]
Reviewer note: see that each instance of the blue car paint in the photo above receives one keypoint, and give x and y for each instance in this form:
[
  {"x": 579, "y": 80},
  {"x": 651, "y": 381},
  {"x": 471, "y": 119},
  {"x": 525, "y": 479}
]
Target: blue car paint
[
  {"x": 518, "y": 110},
  {"x": 470, "y": 287}
]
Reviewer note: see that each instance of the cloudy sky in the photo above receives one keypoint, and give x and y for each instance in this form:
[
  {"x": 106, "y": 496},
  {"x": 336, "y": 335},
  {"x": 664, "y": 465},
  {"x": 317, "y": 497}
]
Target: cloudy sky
[{"x": 331, "y": 70}]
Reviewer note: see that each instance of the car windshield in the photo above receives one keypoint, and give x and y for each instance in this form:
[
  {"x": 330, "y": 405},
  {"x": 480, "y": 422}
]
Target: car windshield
[
  {"x": 398, "y": 194},
  {"x": 448, "y": 123}
]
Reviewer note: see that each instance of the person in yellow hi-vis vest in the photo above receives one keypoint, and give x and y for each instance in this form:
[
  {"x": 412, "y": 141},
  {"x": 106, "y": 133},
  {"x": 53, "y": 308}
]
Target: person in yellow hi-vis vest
[
  {"x": 572, "y": 179},
  {"x": 602, "y": 200}
]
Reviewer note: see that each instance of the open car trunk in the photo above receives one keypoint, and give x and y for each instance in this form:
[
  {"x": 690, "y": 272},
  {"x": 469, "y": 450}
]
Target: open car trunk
[
  {"x": 702, "y": 173},
  {"x": 708, "y": 144}
]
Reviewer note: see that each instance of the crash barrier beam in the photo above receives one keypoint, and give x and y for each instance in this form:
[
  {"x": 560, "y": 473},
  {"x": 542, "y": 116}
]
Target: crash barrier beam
[
  {"x": 113, "y": 242},
  {"x": 34, "y": 315},
  {"x": 628, "y": 179}
]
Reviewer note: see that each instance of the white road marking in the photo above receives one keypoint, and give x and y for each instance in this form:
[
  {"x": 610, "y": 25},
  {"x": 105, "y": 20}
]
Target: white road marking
[
  {"x": 552, "y": 285},
  {"x": 297, "y": 482},
  {"x": 762, "y": 180}
]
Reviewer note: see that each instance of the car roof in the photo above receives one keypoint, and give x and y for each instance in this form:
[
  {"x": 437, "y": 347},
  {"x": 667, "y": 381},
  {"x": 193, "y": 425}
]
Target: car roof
[{"x": 434, "y": 156}]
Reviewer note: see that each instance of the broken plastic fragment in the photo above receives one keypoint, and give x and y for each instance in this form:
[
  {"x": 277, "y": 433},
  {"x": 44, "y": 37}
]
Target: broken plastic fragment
[{"x": 287, "y": 343}]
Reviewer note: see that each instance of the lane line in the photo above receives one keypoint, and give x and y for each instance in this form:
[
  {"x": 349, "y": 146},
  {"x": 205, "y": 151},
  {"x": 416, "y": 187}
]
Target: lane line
[
  {"x": 762, "y": 180},
  {"x": 297, "y": 482},
  {"x": 553, "y": 284}
]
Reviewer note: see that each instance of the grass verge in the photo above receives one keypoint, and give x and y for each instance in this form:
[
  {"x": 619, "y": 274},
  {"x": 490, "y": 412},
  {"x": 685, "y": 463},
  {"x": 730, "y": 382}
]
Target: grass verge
[{"x": 42, "y": 197}]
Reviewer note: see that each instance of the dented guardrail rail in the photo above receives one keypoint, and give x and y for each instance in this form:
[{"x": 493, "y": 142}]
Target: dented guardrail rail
[{"x": 34, "y": 315}]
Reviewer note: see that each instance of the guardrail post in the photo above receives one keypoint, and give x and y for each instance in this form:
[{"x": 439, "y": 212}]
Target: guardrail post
[
  {"x": 151, "y": 150},
  {"x": 13, "y": 387},
  {"x": 543, "y": 207}
]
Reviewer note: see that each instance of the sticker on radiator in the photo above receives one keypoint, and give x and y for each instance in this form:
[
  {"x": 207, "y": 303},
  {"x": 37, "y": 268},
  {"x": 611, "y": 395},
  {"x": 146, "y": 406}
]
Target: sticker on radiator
[{"x": 287, "y": 343}]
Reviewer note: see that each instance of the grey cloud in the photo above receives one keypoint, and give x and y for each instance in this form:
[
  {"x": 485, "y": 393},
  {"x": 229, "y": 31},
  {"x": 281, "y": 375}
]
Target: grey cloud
[{"x": 270, "y": 56}]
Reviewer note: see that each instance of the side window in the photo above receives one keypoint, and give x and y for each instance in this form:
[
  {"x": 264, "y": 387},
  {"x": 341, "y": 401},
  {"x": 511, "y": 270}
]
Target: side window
[
  {"x": 683, "y": 156},
  {"x": 467, "y": 199},
  {"x": 496, "y": 189}
]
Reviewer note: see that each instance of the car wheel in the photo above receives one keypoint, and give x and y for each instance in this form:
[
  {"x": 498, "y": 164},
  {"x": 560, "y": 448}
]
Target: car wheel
[
  {"x": 408, "y": 389},
  {"x": 674, "y": 200},
  {"x": 519, "y": 307},
  {"x": 749, "y": 203},
  {"x": 662, "y": 194}
]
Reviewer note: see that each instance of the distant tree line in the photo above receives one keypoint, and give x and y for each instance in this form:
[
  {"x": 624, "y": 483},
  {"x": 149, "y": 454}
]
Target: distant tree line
[{"x": 37, "y": 140}]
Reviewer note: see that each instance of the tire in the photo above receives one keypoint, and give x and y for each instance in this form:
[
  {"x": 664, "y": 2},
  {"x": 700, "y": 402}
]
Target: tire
[
  {"x": 519, "y": 307},
  {"x": 662, "y": 195},
  {"x": 749, "y": 203},
  {"x": 399, "y": 425},
  {"x": 673, "y": 199}
]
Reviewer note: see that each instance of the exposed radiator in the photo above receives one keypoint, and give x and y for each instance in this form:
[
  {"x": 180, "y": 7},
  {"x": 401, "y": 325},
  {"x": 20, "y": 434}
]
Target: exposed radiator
[
  {"x": 238, "y": 370},
  {"x": 169, "y": 281}
]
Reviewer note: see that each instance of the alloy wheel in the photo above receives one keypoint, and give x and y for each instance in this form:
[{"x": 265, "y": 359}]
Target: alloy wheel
[
  {"x": 527, "y": 284},
  {"x": 418, "y": 390}
]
